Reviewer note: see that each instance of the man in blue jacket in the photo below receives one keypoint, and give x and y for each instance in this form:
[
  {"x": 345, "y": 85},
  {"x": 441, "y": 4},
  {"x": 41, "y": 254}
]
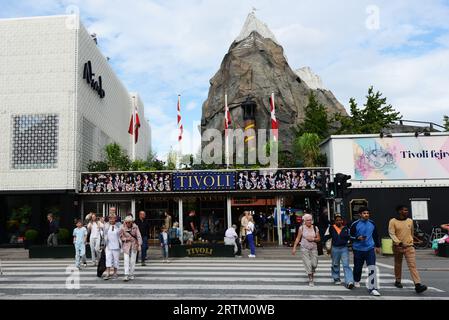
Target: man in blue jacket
[
  {"x": 365, "y": 246},
  {"x": 340, "y": 252}
]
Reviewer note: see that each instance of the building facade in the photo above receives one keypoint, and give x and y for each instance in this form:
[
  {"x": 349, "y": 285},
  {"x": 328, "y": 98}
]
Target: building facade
[
  {"x": 60, "y": 104},
  {"x": 387, "y": 171}
]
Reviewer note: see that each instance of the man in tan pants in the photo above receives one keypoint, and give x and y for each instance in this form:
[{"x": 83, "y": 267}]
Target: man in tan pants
[{"x": 401, "y": 231}]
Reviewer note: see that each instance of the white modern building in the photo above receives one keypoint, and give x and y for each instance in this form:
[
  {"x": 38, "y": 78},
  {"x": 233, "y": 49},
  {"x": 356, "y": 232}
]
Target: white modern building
[{"x": 60, "y": 104}]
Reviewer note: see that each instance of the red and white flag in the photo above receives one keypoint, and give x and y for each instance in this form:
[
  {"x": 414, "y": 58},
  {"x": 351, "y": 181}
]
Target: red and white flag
[
  {"x": 274, "y": 122},
  {"x": 228, "y": 121},
  {"x": 134, "y": 128},
  {"x": 180, "y": 127}
]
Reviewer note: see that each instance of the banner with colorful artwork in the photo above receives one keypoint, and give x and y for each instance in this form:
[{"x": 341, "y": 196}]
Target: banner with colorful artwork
[{"x": 401, "y": 158}]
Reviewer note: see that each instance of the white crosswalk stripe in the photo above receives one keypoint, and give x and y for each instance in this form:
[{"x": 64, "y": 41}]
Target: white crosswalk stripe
[{"x": 188, "y": 279}]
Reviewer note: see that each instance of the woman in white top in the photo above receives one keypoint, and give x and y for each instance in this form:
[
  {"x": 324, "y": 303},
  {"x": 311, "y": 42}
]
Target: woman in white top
[
  {"x": 250, "y": 236},
  {"x": 113, "y": 245},
  {"x": 96, "y": 233},
  {"x": 309, "y": 236}
]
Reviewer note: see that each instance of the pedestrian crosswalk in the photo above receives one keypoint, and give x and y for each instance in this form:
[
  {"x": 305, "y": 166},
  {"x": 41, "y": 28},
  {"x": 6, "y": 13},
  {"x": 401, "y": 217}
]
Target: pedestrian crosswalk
[{"x": 190, "y": 279}]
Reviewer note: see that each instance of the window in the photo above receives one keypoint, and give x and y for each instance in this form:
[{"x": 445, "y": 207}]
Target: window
[{"x": 35, "y": 141}]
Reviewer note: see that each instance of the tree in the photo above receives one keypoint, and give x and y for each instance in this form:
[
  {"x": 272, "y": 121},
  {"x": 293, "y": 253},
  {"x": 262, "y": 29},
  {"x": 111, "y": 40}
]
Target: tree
[
  {"x": 446, "y": 123},
  {"x": 307, "y": 149},
  {"x": 116, "y": 158},
  {"x": 315, "y": 119},
  {"x": 154, "y": 163},
  {"x": 97, "y": 166},
  {"x": 172, "y": 158},
  {"x": 375, "y": 116}
]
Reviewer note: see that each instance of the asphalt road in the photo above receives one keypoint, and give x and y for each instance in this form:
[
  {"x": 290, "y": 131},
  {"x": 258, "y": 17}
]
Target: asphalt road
[{"x": 274, "y": 274}]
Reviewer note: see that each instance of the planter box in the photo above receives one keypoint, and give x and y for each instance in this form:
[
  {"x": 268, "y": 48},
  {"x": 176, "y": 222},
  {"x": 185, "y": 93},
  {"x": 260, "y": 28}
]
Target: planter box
[
  {"x": 201, "y": 250},
  {"x": 59, "y": 252},
  {"x": 443, "y": 250}
]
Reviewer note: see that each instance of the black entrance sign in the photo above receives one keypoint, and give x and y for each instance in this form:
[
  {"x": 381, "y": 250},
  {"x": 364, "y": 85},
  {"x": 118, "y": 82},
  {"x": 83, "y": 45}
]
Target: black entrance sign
[{"x": 96, "y": 85}]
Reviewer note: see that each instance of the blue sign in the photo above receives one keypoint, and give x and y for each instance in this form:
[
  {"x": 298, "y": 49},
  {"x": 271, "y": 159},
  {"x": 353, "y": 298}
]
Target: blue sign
[{"x": 203, "y": 181}]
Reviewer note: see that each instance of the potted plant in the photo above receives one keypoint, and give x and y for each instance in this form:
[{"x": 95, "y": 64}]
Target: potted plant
[
  {"x": 63, "y": 236},
  {"x": 30, "y": 237}
]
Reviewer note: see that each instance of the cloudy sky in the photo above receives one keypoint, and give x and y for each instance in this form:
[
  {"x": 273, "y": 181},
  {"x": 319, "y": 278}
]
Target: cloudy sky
[{"x": 161, "y": 48}]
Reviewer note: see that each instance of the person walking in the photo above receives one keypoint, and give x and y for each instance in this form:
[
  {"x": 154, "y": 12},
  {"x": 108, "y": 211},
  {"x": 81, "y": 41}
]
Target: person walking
[
  {"x": 164, "y": 240},
  {"x": 112, "y": 247},
  {"x": 79, "y": 241},
  {"x": 95, "y": 228},
  {"x": 53, "y": 229},
  {"x": 365, "y": 246},
  {"x": 340, "y": 237},
  {"x": 250, "y": 230},
  {"x": 243, "y": 227},
  {"x": 308, "y": 237},
  {"x": 401, "y": 232},
  {"x": 131, "y": 245},
  {"x": 144, "y": 228}
]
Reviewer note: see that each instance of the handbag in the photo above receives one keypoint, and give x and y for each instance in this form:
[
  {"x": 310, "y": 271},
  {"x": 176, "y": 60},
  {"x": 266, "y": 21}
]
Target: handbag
[{"x": 319, "y": 244}]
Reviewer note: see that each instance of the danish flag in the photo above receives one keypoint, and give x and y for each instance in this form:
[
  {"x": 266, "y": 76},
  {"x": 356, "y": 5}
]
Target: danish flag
[
  {"x": 180, "y": 127},
  {"x": 274, "y": 122}
]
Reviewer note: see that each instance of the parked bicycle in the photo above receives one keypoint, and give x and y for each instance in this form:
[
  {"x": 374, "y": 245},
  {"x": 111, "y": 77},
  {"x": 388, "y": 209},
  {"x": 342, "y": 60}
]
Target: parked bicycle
[{"x": 421, "y": 239}]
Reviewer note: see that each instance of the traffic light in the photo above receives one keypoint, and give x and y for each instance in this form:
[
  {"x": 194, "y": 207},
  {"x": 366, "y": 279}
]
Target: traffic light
[
  {"x": 341, "y": 184},
  {"x": 330, "y": 190}
]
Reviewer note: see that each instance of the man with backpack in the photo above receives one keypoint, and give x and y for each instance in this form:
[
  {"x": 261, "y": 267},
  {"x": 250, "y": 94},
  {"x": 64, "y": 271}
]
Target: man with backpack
[{"x": 339, "y": 236}]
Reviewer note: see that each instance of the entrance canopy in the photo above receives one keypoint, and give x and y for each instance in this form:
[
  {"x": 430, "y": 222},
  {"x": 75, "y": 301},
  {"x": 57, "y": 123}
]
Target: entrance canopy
[{"x": 216, "y": 181}]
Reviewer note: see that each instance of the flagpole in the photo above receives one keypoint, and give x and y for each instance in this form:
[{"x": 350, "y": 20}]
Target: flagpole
[
  {"x": 226, "y": 132},
  {"x": 178, "y": 158},
  {"x": 134, "y": 130}
]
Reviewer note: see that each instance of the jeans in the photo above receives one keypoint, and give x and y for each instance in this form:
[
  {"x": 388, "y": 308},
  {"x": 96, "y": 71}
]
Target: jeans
[
  {"x": 130, "y": 262},
  {"x": 80, "y": 251},
  {"x": 143, "y": 252},
  {"x": 359, "y": 259},
  {"x": 341, "y": 254},
  {"x": 250, "y": 238},
  {"x": 52, "y": 240},
  {"x": 164, "y": 248},
  {"x": 95, "y": 249}
]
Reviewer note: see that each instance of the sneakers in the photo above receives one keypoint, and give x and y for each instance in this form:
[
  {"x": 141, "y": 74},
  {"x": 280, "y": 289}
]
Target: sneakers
[
  {"x": 311, "y": 283},
  {"x": 337, "y": 282},
  {"x": 126, "y": 279},
  {"x": 106, "y": 277},
  {"x": 375, "y": 293},
  {"x": 350, "y": 286},
  {"x": 114, "y": 277},
  {"x": 251, "y": 256},
  {"x": 85, "y": 265},
  {"x": 131, "y": 277},
  {"x": 357, "y": 284},
  {"x": 398, "y": 284},
  {"x": 420, "y": 288}
]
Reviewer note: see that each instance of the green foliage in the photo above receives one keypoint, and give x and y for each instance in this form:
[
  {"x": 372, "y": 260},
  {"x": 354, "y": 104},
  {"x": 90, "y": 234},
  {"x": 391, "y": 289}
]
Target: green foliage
[
  {"x": 31, "y": 234},
  {"x": 375, "y": 116},
  {"x": 446, "y": 123},
  {"x": 154, "y": 163},
  {"x": 116, "y": 158},
  {"x": 315, "y": 119},
  {"x": 171, "y": 160},
  {"x": 306, "y": 148},
  {"x": 21, "y": 215},
  {"x": 139, "y": 165},
  {"x": 97, "y": 166},
  {"x": 63, "y": 235}
]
